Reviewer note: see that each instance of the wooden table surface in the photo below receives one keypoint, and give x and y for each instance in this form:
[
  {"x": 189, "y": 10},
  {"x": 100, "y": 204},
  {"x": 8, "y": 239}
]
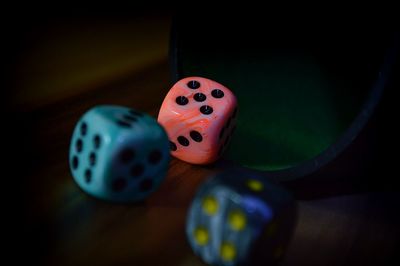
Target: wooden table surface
[{"x": 64, "y": 226}]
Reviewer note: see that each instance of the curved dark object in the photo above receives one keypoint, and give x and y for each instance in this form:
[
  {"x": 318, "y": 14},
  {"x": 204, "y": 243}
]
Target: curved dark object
[{"x": 370, "y": 59}]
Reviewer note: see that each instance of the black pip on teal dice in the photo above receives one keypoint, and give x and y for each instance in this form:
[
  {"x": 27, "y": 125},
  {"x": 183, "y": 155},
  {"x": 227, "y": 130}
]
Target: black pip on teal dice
[
  {"x": 240, "y": 218},
  {"x": 118, "y": 154}
]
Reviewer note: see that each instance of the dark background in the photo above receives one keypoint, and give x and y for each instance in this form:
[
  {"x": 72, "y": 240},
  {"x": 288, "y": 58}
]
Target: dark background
[{"x": 54, "y": 71}]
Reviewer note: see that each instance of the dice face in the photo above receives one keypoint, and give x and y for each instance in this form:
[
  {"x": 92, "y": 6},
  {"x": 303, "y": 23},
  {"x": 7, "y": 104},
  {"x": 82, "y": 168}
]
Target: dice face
[
  {"x": 199, "y": 116},
  {"x": 118, "y": 154},
  {"x": 238, "y": 218}
]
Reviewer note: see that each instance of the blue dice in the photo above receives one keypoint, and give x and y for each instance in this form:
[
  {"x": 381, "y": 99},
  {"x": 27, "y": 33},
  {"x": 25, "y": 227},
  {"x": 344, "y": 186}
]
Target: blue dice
[
  {"x": 240, "y": 218},
  {"x": 118, "y": 154}
]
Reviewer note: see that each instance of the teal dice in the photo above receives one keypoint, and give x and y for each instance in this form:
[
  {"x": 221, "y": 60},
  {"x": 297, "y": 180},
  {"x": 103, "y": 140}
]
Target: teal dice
[
  {"x": 240, "y": 218},
  {"x": 118, "y": 154}
]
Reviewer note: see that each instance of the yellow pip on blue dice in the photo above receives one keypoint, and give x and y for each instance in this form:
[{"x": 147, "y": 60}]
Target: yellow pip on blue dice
[
  {"x": 118, "y": 154},
  {"x": 240, "y": 218}
]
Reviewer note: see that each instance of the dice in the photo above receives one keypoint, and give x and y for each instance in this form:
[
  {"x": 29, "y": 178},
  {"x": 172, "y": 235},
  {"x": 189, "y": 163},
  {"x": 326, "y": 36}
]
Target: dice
[
  {"x": 240, "y": 218},
  {"x": 199, "y": 116},
  {"x": 118, "y": 154}
]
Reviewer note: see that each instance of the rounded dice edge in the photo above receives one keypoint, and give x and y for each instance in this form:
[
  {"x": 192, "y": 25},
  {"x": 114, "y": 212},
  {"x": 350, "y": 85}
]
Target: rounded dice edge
[{"x": 98, "y": 188}]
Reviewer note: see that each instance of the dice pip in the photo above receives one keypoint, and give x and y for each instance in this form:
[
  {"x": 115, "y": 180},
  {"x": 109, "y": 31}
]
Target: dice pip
[
  {"x": 199, "y": 116},
  {"x": 240, "y": 218},
  {"x": 118, "y": 154}
]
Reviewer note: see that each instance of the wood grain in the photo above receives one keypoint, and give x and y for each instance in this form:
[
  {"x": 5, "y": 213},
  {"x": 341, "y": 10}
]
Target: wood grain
[{"x": 64, "y": 226}]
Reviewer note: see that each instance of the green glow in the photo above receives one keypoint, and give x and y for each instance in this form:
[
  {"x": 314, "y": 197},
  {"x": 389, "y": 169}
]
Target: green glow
[{"x": 291, "y": 107}]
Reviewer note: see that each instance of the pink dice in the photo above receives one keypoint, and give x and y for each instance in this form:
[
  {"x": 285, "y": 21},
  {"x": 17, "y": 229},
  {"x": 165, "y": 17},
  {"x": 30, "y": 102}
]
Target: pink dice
[{"x": 199, "y": 116}]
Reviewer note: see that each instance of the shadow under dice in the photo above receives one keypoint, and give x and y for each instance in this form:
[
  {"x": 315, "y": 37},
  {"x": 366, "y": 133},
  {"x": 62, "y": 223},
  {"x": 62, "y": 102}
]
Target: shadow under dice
[
  {"x": 239, "y": 218},
  {"x": 199, "y": 116},
  {"x": 118, "y": 154}
]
